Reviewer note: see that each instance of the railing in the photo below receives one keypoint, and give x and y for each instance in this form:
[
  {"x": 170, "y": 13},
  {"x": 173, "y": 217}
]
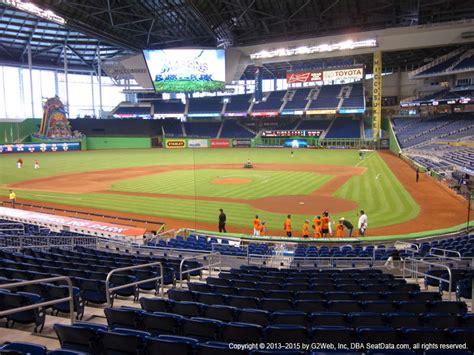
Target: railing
[
  {"x": 209, "y": 266},
  {"x": 172, "y": 233},
  {"x": 109, "y": 290},
  {"x": 311, "y": 262},
  {"x": 70, "y": 298},
  {"x": 20, "y": 227},
  {"x": 407, "y": 247},
  {"x": 413, "y": 270},
  {"x": 445, "y": 253},
  {"x": 19, "y": 242}
]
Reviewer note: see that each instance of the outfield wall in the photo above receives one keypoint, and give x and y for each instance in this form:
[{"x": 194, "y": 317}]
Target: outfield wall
[
  {"x": 19, "y": 131},
  {"x": 182, "y": 143},
  {"x": 95, "y": 143}
]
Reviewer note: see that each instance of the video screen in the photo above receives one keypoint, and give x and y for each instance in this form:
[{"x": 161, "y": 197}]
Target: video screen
[
  {"x": 295, "y": 143},
  {"x": 186, "y": 70}
]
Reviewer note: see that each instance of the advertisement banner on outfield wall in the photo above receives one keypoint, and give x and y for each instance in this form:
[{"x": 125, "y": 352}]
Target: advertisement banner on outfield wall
[
  {"x": 241, "y": 143},
  {"x": 40, "y": 147},
  {"x": 220, "y": 143},
  {"x": 175, "y": 143},
  {"x": 198, "y": 143}
]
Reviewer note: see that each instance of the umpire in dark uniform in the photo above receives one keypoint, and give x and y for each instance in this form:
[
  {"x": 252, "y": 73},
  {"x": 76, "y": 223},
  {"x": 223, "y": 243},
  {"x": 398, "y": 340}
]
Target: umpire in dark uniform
[
  {"x": 348, "y": 226},
  {"x": 222, "y": 220}
]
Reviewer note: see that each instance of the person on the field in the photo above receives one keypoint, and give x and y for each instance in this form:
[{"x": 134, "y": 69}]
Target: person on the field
[
  {"x": 348, "y": 226},
  {"x": 317, "y": 226},
  {"x": 340, "y": 230},
  {"x": 292, "y": 155},
  {"x": 417, "y": 174},
  {"x": 305, "y": 229},
  {"x": 325, "y": 224},
  {"x": 363, "y": 223},
  {"x": 256, "y": 226},
  {"x": 262, "y": 229},
  {"x": 19, "y": 163},
  {"x": 37, "y": 165},
  {"x": 287, "y": 226},
  {"x": 12, "y": 198},
  {"x": 222, "y": 221}
]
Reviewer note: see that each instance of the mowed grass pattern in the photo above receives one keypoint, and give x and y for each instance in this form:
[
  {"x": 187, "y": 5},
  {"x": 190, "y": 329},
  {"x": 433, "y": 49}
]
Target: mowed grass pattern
[
  {"x": 380, "y": 194},
  {"x": 199, "y": 183},
  {"x": 384, "y": 198}
]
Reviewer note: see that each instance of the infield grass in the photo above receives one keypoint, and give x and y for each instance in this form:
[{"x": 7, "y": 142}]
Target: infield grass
[
  {"x": 377, "y": 191},
  {"x": 199, "y": 183}
]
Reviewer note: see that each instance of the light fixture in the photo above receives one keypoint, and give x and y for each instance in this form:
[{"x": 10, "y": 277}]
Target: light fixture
[
  {"x": 34, "y": 10},
  {"x": 288, "y": 52}
]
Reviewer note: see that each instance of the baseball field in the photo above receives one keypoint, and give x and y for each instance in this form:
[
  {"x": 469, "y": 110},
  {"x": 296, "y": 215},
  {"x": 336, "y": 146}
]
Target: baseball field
[{"x": 186, "y": 188}]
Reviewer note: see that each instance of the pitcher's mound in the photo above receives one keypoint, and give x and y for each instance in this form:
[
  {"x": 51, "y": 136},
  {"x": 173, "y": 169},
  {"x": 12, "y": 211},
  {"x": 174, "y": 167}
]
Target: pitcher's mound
[{"x": 230, "y": 181}]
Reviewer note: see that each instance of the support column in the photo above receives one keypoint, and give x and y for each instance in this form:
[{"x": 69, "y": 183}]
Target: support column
[
  {"x": 30, "y": 69},
  {"x": 66, "y": 79},
  {"x": 92, "y": 90},
  {"x": 99, "y": 76},
  {"x": 56, "y": 83}
]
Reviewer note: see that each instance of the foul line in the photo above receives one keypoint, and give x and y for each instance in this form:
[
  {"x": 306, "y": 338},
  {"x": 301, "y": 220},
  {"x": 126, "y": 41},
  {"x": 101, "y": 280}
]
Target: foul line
[{"x": 365, "y": 159}]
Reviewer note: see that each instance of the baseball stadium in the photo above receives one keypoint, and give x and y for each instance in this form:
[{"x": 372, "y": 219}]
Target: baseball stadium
[{"x": 248, "y": 177}]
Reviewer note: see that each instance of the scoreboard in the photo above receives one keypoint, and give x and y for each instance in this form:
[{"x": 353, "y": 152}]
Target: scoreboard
[{"x": 291, "y": 133}]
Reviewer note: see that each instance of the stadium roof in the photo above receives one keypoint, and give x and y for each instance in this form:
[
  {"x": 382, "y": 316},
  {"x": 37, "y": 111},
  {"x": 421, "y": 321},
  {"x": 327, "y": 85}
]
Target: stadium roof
[
  {"x": 123, "y": 27},
  {"x": 47, "y": 40},
  {"x": 170, "y": 23}
]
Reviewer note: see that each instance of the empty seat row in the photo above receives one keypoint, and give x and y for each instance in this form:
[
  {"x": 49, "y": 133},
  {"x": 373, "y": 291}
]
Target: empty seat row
[
  {"x": 98, "y": 339},
  {"x": 160, "y": 322},
  {"x": 308, "y": 306},
  {"x": 199, "y": 291},
  {"x": 321, "y": 286}
]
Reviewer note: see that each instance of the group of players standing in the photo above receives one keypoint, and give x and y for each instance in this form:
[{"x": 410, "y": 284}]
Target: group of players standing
[{"x": 321, "y": 227}]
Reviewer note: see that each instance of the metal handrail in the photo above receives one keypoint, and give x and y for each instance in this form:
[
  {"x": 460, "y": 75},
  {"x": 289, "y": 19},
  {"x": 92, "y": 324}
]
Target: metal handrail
[
  {"x": 42, "y": 304},
  {"x": 408, "y": 246},
  {"x": 204, "y": 257},
  {"x": 415, "y": 262},
  {"x": 445, "y": 252},
  {"x": 109, "y": 290}
]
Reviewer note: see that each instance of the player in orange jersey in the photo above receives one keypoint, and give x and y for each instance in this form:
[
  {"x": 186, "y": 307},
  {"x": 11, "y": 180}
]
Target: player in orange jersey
[
  {"x": 317, "y": 226},
  {"x": 256, "y": 226},
  {"x": 287, "y": 226}
]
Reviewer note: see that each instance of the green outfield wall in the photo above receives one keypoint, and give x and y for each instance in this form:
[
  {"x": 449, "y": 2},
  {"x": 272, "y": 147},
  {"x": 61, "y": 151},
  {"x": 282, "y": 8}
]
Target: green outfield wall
[
  {"x": 18, "y": 132},
  {"x": 95, "y": 143}
]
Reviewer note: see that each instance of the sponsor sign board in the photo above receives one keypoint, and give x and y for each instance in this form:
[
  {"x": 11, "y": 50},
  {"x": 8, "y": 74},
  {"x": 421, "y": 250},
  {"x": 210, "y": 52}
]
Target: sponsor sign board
[
  {"x": 175, "y": 143},
  {"x": 320, "y": 112},
  {"x": 304, "y": 77},
  {"x": 235, "y": 114},
  {"x": 377, "y": 96},
  {"x": 351, "y": 110},
  {"x": 220, "y": 143},
  {"x": 241, "y": 143},
  {"x": 39, "y": 147},
  {"x": 264, "y": 113},
  {"x": 343, "y": 74},
  {"x": 90, "y": 227},
  {"x": 197, "y": 143}
]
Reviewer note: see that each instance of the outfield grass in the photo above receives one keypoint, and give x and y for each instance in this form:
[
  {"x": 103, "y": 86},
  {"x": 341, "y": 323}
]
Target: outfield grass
[
  {"x": 199, "y": 183},
  {"x": 383, "y": 197}
]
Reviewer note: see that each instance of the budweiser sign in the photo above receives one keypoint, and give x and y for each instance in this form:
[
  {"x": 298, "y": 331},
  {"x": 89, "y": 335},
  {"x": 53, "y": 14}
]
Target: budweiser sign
[{"x": 304, "y": 77}]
